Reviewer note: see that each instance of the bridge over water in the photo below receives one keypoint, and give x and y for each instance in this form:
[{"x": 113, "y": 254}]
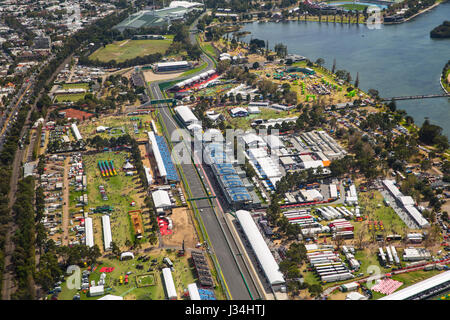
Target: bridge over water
[{"x": 425, "y": 96}]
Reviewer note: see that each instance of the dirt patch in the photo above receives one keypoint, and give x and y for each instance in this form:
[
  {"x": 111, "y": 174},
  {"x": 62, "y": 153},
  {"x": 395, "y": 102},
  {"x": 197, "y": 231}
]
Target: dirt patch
[
  {"x": 182, "y": 229},
  {"x": 77, "y": 114},
  {"x": 136, "y": 221},
  {"x": 150, "y": 76}
]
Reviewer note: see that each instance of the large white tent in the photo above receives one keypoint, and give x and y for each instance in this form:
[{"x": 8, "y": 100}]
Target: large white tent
[
  {"x": 161, "y": 199},
  {"x": 107, "y": 237},
  {"x": 170, "y": 286},
  {"x": 89, "y": 232},
  {"x": 193, "y": 291}
]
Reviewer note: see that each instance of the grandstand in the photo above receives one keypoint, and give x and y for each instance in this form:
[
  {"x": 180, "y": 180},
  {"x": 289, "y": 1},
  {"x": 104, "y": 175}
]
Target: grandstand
[
  {"x": 229, "y": 181},
  {"x": 161, "y": 153},
  {"x": 172, "y": 174}
]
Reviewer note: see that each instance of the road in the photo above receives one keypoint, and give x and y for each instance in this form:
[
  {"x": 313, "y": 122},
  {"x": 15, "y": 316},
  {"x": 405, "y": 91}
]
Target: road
[
  {"x": 233, "y": 267},
  {"x": 239, "y": 280}
]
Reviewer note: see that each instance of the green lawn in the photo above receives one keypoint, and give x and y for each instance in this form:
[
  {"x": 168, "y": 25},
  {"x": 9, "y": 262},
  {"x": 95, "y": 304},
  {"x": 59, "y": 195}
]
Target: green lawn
[
  {"x": 88, "y": 128},
  {"x": 75, "y": 86},
  {"x": 73, "y": 97},
  {"x": 209, "y": 49},
  {"x": 358, "y": 7},
  {"x": 129, "y": 49},
  {"x": 121, "y": 191},
  {"x": 192, "y": 71},
  {"x": 391, "y": 221},
  {"x": 153, "y": 290}
]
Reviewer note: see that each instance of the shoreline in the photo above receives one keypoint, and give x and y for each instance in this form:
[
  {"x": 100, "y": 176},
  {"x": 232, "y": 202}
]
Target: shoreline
[
  {"x": 266, "y": 20},
  {"x": 415, "y": 15}
]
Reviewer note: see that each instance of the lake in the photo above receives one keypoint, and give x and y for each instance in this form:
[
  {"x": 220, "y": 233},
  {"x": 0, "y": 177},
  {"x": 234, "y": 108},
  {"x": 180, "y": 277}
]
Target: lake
[{"x": 397, "y": 60}]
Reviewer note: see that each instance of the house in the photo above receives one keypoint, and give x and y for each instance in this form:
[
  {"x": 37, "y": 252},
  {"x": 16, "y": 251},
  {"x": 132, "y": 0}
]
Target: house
[{"x": 238, "y": 112}]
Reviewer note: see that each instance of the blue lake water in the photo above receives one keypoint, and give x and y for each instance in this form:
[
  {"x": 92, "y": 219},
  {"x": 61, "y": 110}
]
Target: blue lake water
[{"x": 397, "y": 60}]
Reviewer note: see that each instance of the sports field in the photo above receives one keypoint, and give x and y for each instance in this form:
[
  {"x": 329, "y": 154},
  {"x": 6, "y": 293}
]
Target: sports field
[
  {"x": 130, "y": 49},
  {"x": 352, "y": 6}
]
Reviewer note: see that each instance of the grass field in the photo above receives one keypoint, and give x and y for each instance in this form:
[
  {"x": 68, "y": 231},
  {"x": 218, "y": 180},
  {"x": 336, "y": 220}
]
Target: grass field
[
  {"x": 88, "y": 128},
  {"x": 153, "y": 289},
  {"x": 121, "y": 191},
  {"x": 391, "y": 221},
  {"x": 353, "y": 7},
  {"x": 129, "y": 49},
  {"x": 195, "y": 70},
  {"x": 73, "y": 97},
  {"x": 75, "y": 86}
]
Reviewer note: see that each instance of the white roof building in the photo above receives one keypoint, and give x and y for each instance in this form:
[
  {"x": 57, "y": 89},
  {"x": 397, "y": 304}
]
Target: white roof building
[
  {"x": 89, "y": 232},
  {"x": 253, "y": 110},
  {"x": 238, "y": 110},
  {"x": 333, "y": 191},
  {"x": 417, "y": 216},
  {"x": 186, "y": 115},
  {"x": 111, "y": 297},
  {"x": 107, "y": 237},
  {"x": 273, "y": 141},
  {"x": 193, "y": 291},
  {"x": 407, "y": 200},
  {"x": 161, "y": 199},
  {"x": 96, "y": 291},
  {"x": 76, "y": 132},
  {"x": 309, "y": 162},
  {"x": 252, "y": 140},
  {"x": 184, "y": 4},
  {"x": 170, "y": 285},
  {"x": 355, "y": 296},
  {"x": 148, "y": 175},
  {"x": 259, "y": 246}
]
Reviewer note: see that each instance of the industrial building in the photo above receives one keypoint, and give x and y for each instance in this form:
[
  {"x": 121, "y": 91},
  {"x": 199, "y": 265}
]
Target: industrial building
[
  {"x": 423, "y": 289},
  {"x": 107, "y": 237},
  {"x": 169, "y": 284},
  {"x": 261, "y": 250}
]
